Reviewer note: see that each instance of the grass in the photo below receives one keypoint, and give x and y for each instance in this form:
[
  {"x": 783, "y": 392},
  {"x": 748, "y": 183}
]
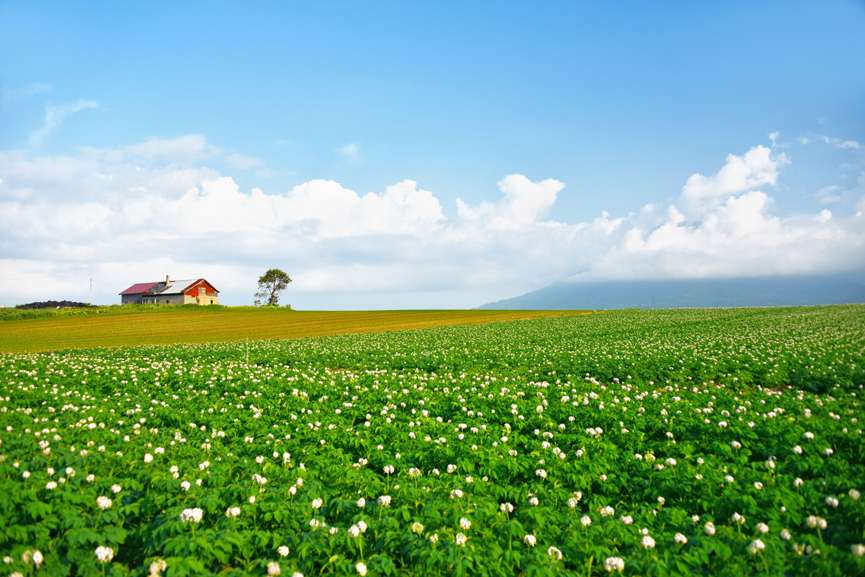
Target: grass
[{"x": 125, "y": 326}]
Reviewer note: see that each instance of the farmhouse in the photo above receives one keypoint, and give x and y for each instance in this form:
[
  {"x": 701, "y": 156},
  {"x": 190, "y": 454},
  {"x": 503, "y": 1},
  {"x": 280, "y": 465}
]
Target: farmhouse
[{"x": 171, "y": 292}]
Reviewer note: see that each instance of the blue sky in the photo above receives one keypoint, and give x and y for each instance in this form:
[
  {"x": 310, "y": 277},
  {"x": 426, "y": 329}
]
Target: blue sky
[{"x": 620, "y": 103}]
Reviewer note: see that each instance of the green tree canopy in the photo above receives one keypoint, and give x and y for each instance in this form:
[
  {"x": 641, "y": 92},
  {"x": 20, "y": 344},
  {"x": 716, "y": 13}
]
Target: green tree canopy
[{"x": 270, "y": 284}]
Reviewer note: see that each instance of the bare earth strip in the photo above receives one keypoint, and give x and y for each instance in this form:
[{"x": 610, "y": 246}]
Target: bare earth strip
[{"x": 200, "y": 326}]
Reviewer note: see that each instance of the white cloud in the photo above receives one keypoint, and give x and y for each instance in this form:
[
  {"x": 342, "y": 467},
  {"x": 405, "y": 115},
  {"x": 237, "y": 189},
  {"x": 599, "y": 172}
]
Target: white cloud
[
  {"x": 54, "y": 115},
  {"x": 321, "y": 207},
  {"x": 757, "y": 167},
  {"x": 842, "y": 144},
  {"x": 523, "y": 203},
  {"x": 184, "y": 150},
  {"x": 242, "y": 162},
  {"x": 268, "y": 173},
  {"x": 10, "y": 95},
  {"x": 826, "y": 194},
  {"x": 350, "y": 152},
  {"x": 350, "y": 250}
]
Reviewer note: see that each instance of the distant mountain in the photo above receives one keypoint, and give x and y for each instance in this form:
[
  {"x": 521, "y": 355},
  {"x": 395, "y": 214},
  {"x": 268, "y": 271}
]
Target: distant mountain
[{"x": 736, "y": 292}]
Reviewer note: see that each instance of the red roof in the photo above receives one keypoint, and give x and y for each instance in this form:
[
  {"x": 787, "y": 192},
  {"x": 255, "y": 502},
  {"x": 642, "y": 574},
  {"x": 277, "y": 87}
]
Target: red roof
[{"x": 139, "y": 288}]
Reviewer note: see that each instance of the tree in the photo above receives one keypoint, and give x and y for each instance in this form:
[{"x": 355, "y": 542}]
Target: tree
[{"x": 270, "y": 284}]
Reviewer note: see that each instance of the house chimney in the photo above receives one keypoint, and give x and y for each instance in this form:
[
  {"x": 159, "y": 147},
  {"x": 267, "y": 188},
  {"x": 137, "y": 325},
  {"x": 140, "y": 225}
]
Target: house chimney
[{"x": 166, "y": 279}]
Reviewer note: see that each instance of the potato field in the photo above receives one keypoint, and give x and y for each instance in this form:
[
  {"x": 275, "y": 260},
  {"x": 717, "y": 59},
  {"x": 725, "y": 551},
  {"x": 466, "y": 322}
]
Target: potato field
[{"x": 679, "y": 442}]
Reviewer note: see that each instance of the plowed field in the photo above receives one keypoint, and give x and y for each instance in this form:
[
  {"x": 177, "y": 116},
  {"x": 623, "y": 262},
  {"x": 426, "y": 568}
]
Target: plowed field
[{"x": 224, "y": 324}]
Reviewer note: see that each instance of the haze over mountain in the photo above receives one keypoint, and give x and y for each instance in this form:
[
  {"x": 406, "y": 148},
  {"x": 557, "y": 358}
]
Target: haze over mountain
[{"x": 664, "y": 294}]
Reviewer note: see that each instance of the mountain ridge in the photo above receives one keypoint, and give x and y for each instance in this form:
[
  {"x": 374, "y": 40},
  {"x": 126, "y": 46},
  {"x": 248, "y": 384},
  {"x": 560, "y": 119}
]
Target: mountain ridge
[{"x": 689, "y": 293}]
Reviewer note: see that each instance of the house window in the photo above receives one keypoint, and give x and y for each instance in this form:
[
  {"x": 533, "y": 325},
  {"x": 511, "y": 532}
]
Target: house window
[
  {"x": 201, "y": 290},
  {"x": 211, "y": 301},
  {"x": 167, "y": 301}
]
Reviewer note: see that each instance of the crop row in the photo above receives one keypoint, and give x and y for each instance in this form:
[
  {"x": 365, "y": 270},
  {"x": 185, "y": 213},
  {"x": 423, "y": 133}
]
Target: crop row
[{"x": 647, "y": 442}]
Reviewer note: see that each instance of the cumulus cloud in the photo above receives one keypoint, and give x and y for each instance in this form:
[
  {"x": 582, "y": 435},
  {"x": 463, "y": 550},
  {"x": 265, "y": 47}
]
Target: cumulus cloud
[
  {"x": 321, "y": 207},
  {"x": 755, "y": 168},
  {"x": 54, "y": 115},
  {"x": 132, "y": 223},
  {"x": 523, "y": 203}
]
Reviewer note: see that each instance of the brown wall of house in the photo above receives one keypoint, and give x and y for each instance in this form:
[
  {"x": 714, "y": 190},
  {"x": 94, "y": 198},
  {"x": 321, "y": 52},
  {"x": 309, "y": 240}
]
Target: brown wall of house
[
  {"x": 194, "y": 296},
  {"x": 193, "y": 292}
]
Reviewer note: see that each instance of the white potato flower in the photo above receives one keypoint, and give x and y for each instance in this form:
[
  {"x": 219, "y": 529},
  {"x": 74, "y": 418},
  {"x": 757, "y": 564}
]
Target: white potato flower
[
  {"x": 756, "y": 545},
  {"x": 193, "y": 515},
  {"x": 647, "y": 542},
  {"x": 104, "y": 554}
]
